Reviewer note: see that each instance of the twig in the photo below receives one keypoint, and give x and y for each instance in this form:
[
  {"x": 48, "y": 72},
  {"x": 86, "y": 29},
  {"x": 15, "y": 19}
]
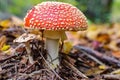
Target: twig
[
  {"x": 98, "y": 55},
  {"x": 93, "y": 58},
  {"x": 76, "y": 70},
  {"x": 33, "y": 73},
  {"x": 7, "y": 70},
  {"x": 68, "y": 58},
  {"x": 30, "y": 66},
  {"x": 111, "y": 77},
  {"x": 16, "y": 71},
  {"x": 8, "y": 66},
  {"x": 38, "y": 72}
]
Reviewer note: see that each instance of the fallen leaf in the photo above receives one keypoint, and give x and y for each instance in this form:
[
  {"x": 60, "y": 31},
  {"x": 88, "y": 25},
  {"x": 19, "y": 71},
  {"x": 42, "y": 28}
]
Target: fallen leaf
[
  {"x": 103, "y": 38},
  {"x": 113, "y": 46},
  {"x": 92, "y": 32},
  {"x": 5, "y": 47},
  {"x": 116, "y": 54},
  {"x": 5, "y": 23},
  {"x": 94, "y": 71},
  {"x": 102, "y": 67},
  {"x": 67, "y": 46},
  {"x": 2, "y": 41},
  {"x": 116, "y": 71}
]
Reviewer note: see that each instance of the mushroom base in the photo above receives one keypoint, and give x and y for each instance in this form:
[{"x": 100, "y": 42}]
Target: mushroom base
[{"x": 52, "y": 46}]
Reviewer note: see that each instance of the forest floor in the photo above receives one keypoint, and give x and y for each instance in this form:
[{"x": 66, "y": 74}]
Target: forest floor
[{"x": 95, "y": 54}]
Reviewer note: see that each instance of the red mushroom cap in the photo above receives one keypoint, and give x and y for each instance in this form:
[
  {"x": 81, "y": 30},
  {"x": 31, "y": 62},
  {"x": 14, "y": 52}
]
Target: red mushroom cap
[{"x": 55, "y": 16}]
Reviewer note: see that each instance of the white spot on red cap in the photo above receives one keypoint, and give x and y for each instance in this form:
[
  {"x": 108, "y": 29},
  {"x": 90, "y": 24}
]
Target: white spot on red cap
[{"x": 36, "y": 20}]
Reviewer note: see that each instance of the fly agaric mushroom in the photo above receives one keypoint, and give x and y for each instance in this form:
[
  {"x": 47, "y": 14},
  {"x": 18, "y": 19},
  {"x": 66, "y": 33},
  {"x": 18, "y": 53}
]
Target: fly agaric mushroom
[
  {"x": 54, "y": 18},
  {"x": 25, "y": 38}
]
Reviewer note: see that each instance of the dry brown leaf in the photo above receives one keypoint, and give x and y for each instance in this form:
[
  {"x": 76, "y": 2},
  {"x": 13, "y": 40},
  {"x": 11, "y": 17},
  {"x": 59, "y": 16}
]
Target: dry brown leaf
[
  {"x": 113, "y": 46},
  {"x": 116, "y": 54},
  {"x": 93, "y": 31},
  {"x": 103, "y": 38}
]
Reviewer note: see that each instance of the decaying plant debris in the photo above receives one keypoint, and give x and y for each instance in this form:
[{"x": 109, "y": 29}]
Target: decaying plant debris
[
  {"x": 73, "y": 66},
  {"x": 83, "y": 62}
]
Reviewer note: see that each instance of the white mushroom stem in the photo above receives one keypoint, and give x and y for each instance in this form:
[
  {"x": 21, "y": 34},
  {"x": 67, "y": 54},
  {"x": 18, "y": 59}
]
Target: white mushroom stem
[
  {"x": 52, "y": 46},
  {"x": 28, "y": 49}
]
